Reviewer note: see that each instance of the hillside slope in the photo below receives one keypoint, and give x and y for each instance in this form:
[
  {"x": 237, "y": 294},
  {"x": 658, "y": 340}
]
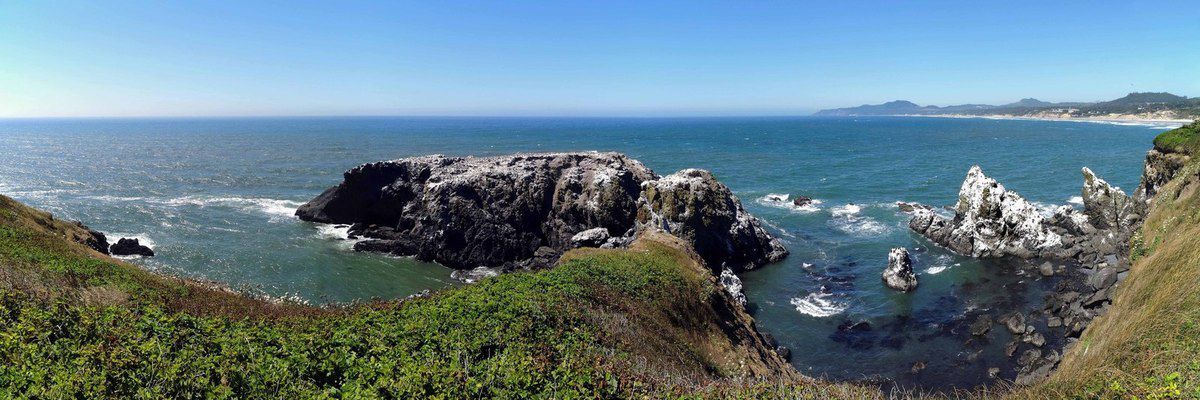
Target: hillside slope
[
  {"x": 1148, "y": 344},
  {"x": 605, "y": 323}
]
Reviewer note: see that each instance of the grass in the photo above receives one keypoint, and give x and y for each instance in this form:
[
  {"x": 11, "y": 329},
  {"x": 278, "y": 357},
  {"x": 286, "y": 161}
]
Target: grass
[
  {"x": 646, "y": 322},
  {"x": 642, "y": 322},
  {"x": 1185, "y": 139},
  {"x": 1148, "y": 344}
]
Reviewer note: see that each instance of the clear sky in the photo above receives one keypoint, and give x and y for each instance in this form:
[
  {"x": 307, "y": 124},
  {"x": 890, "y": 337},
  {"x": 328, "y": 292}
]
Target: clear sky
[{"x": 225, "y": 58}]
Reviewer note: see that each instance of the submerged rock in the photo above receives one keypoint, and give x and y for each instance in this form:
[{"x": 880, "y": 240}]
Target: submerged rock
[
  {"x": 899, "y": 273},
  {"x": 522, "y": 211},
  {"x": 130, "y": 247}
]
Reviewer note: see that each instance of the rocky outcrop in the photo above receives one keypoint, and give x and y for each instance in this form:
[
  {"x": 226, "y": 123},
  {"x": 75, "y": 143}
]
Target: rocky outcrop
[
  {"x": 733, "y": 285},
  {"x": 692, "y": 205},
  {"x": 899, "y": 272},
  {"x": 94, "y": 239},
  {"x": 989, "y": 221},
  {"x": 524, "y": 210},
  {"x": 1106, "y": 206},
  {"x": 130, "y": 247},
  {"x": 1161, "y": 165}
]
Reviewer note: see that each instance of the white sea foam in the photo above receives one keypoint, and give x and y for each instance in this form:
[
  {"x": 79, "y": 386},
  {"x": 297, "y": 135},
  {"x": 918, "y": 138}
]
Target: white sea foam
[
  {"x": 338, "y": 233},
  {"x": 783, "y": 200},
  {"x": 143, "y": 238},
  {"x": 276, "y": 208},
  {"x": 935, "y": 270},
  {"x": 846, "y": 210},
  {"x": 1075, "y": 200},
  {"x": 847, "y": 219},
  {"x": 818, "y": 305}
]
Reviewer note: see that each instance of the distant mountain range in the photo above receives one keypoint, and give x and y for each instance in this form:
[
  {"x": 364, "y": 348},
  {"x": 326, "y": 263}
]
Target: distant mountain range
[{"x": 1133, "y": 105}]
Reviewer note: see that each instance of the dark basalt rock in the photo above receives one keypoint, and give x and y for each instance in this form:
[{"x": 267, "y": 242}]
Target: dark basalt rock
[
  {"x": 96, "y": 240},
  {"x": 130, "y": 247},
  {"x": 801, "y": 201},
  {"x": 522, "y": 211}
]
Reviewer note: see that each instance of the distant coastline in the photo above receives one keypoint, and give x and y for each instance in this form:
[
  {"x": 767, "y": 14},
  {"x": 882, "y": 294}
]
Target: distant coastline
[{"x": 1113, "y": 119}]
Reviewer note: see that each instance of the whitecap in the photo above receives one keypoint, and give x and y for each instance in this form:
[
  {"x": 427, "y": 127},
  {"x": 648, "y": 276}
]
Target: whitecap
[
  {"x": 935, "y": 270},
  {"x": 846, "y": 210},
  {"x": 860, "y": 226},
  {"x": 1075, "y": 200},
  {"x": 276, "y": 208},
  {"x": 783, "y": 200},
  {"x": 142, "y": 238},
  {"x": 816, "y": 305},
  {"x": 339, "y": 234}
]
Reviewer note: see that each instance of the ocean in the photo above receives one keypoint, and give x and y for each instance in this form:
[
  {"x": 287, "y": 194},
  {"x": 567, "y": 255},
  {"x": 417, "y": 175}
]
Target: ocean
[{"x": 214, "y": 197}]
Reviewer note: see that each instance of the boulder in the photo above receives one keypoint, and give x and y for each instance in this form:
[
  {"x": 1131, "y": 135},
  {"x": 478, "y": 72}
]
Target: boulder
[
  {"x": 130, "y": 247},
  {"x": 1046, "y": 269},
  {"x": 801, "y": 201},
  {"x": 501, "y": 212},
  {"x": 899, "y": 272},
  {"x": 594, "y": 237},
  {"x": 981, "y": 326},
  {"x": 1015, "y": 323}
]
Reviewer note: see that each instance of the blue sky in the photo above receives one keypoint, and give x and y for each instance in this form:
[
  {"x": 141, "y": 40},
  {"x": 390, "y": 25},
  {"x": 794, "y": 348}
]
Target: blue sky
[{"x": 215, "y": 58}]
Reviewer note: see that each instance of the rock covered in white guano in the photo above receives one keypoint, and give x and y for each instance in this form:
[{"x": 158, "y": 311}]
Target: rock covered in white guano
[
  {"x": 989, "y": 221},
  {"x": 733, "y": 285},
  {"x": 1107, "y": 206},
  {"x": 692, "y": 205},
  {"x": 594, "y": 237},
  {"x": 524, "y": 210},
  {"x": 899, "y": 272}
]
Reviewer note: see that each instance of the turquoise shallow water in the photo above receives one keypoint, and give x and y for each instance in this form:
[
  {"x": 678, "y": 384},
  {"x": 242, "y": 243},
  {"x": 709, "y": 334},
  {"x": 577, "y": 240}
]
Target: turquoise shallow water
[{"x": 215, "y": 197}]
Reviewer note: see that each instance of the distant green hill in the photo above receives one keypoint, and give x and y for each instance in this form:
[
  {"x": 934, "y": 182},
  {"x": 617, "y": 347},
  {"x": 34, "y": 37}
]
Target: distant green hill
[{"x": 1148, "y": 105}]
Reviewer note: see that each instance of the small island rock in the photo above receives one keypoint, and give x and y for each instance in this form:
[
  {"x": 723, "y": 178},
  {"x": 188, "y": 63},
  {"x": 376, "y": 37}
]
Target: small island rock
[{"x": 899, "y": 273}]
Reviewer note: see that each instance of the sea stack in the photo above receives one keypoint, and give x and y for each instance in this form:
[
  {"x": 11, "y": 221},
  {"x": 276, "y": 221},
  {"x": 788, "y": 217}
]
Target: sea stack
[{"x": 899, "y": 273}]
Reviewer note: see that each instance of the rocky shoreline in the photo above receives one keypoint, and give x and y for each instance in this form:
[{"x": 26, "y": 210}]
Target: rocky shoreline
[
  {"x": 498, "y": 214},
  {"x": 1088, "y": 250}
]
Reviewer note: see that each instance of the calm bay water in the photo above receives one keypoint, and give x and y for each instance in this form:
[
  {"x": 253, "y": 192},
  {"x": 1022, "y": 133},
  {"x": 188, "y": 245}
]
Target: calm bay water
[{"x": 215, "y": 198}]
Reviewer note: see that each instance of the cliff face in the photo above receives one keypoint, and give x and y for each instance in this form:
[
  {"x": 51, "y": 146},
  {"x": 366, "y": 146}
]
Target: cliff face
[{"x": 524, "y": 210}]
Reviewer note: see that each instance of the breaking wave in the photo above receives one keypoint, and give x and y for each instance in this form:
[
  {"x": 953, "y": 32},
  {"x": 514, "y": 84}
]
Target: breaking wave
[
  {"x": 818, "y": 305},
  {"x": 783, "y": 200}
]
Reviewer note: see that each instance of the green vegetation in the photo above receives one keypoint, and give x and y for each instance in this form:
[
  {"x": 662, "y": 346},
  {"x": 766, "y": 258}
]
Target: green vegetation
[
  {"x": 1148, "y": 344},
  {"x": 1185, "y": 139},
  {"x": 643, "y": 322},
  {"x": 605, "y": 323}
]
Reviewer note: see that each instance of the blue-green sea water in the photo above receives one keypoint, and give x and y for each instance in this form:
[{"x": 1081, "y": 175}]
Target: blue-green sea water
[{"x": 215, "y": 198}]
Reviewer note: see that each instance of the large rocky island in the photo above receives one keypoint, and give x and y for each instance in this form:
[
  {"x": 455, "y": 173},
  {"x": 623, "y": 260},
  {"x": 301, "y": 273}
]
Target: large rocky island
[{"x": 525, "y": 210}]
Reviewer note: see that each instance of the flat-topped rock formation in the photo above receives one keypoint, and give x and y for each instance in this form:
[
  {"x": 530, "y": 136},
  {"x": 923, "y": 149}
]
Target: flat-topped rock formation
[{"x": 523, "y": 210}]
